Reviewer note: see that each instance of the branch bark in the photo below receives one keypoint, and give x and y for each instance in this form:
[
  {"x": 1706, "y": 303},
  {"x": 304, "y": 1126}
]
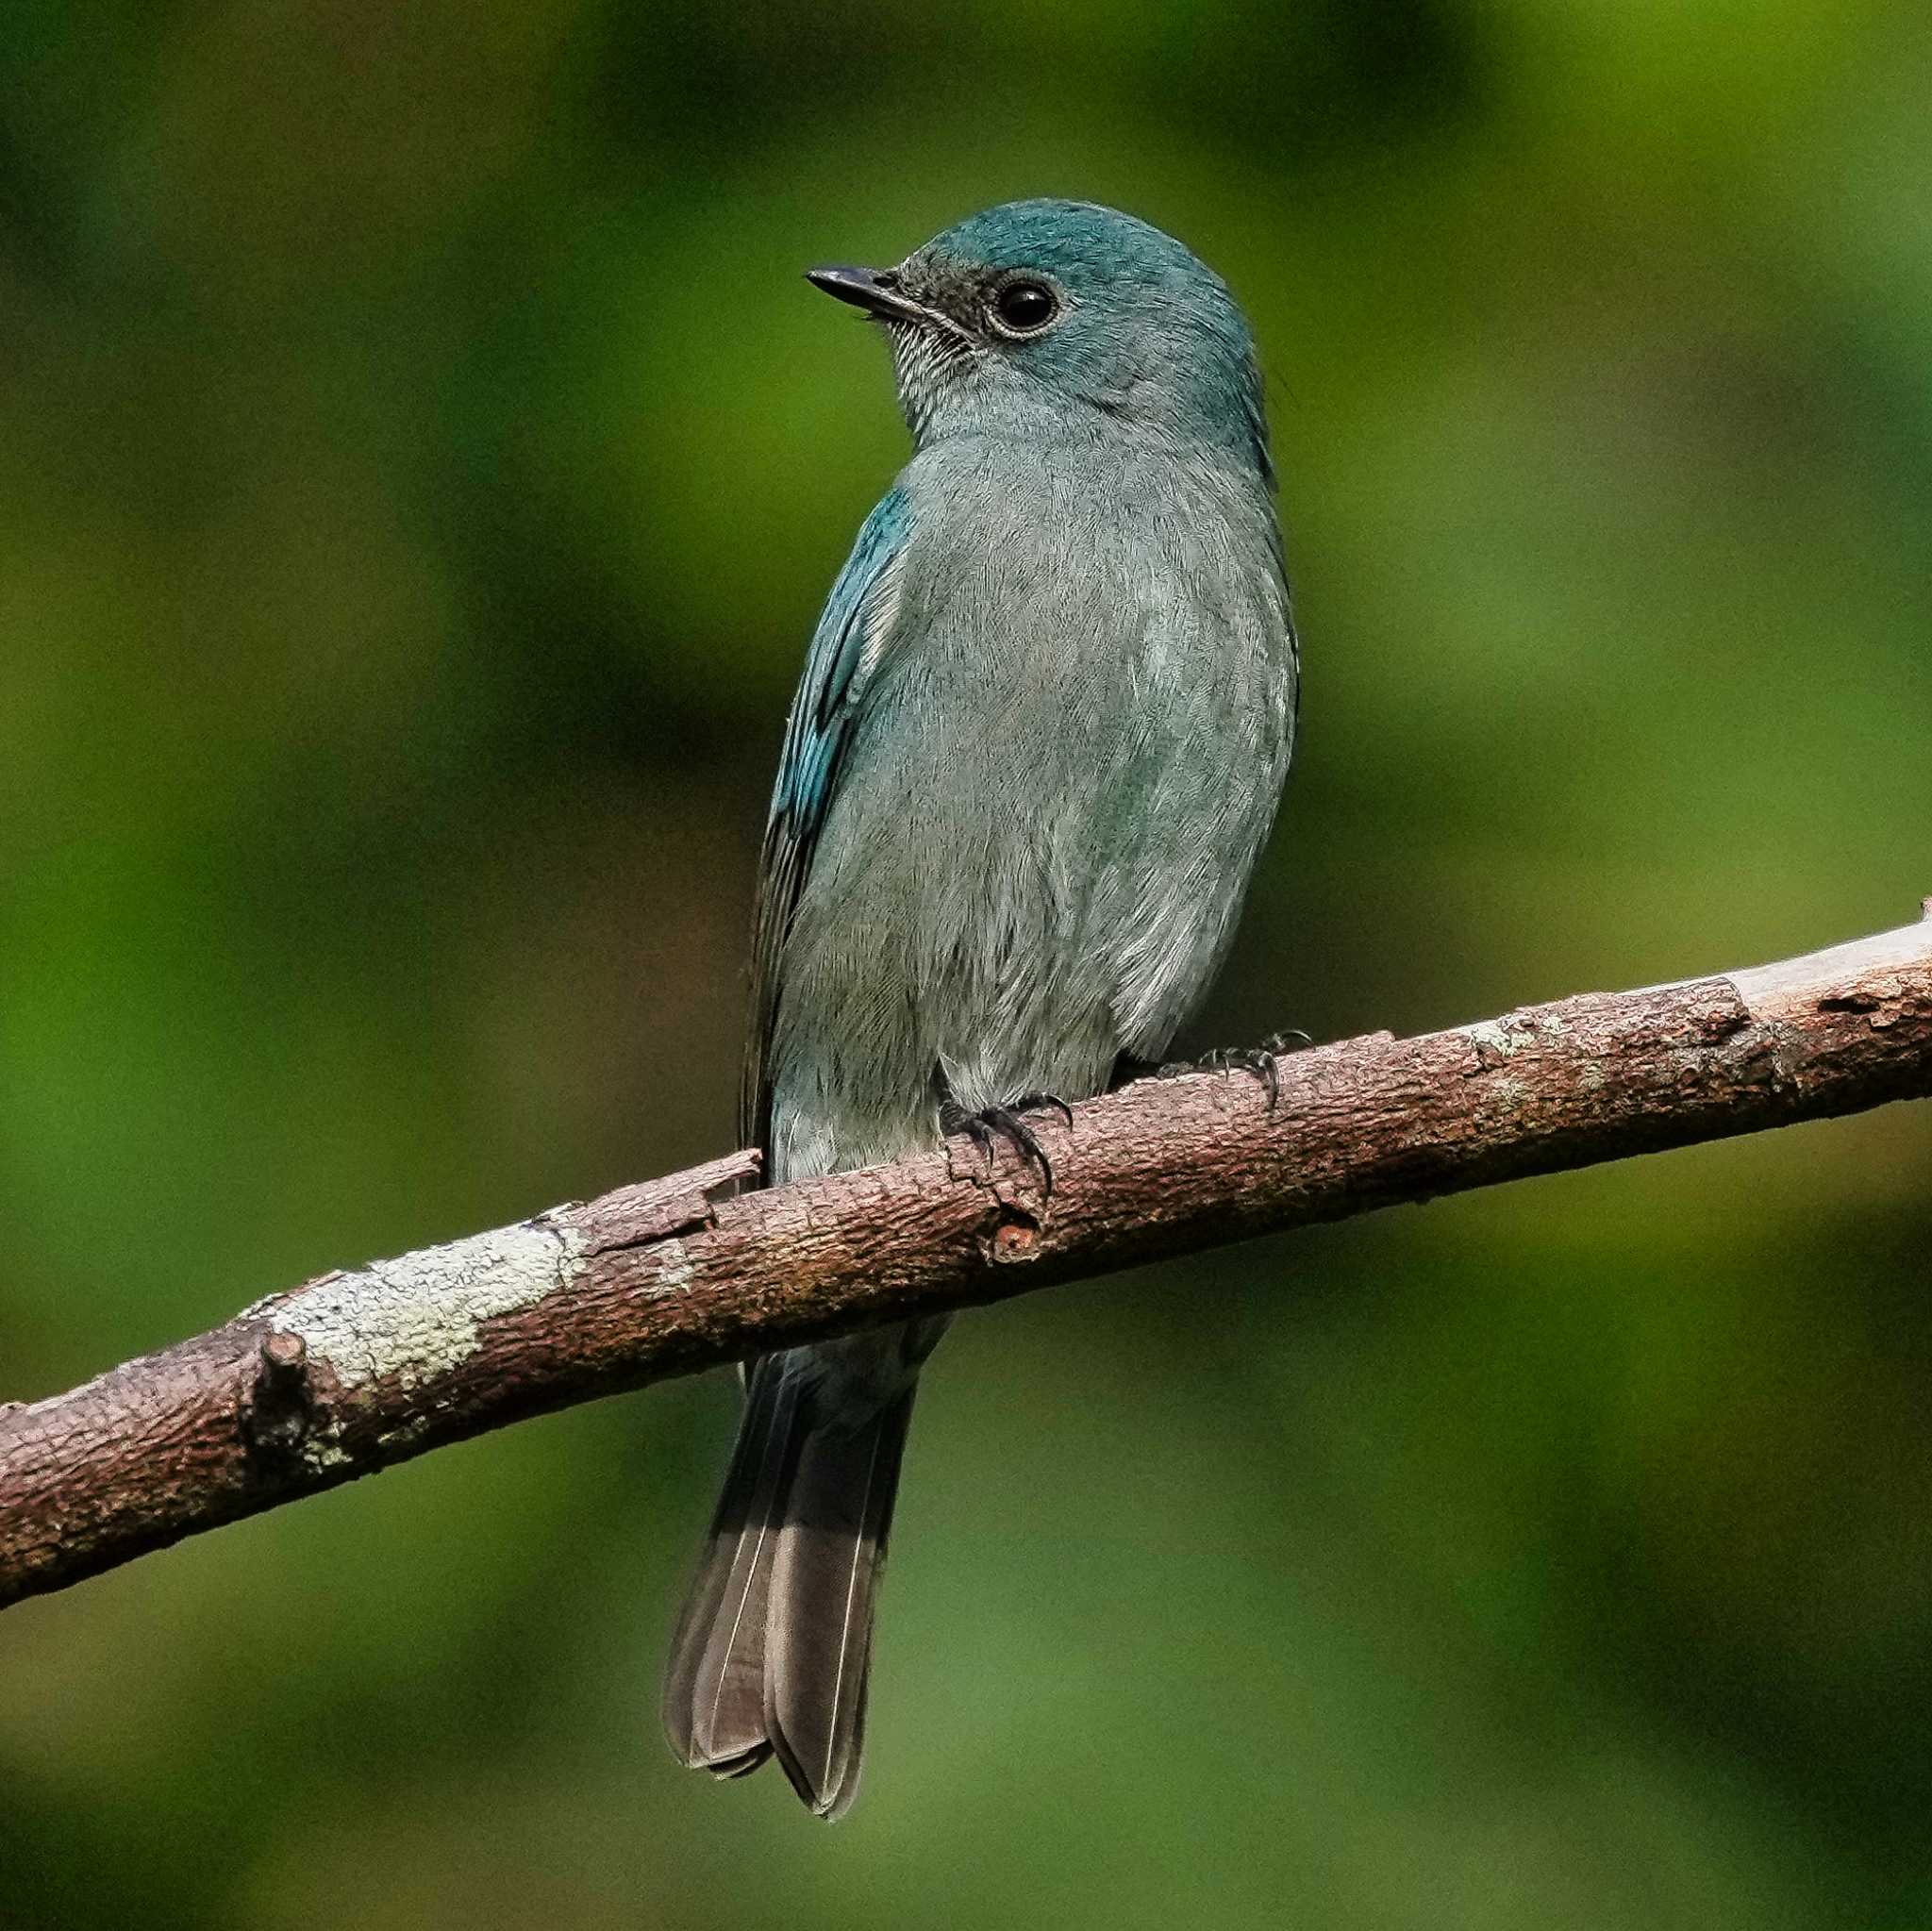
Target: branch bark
[{"x": 354, "y": 1371}]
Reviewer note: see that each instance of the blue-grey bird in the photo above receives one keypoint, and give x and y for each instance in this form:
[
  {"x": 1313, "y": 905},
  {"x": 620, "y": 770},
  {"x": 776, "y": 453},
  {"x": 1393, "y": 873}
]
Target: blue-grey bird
[{"x": 1038, "y": 742}]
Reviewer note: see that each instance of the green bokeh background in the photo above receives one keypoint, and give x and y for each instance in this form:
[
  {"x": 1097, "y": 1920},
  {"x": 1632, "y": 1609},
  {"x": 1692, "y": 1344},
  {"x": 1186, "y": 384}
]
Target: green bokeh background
[{"x": 420, "y": 466}]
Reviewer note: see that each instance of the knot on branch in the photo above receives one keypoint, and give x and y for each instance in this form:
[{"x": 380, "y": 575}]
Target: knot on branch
[
  {"x": 276, "y": 1408},
  {"x": 1015, "y": 1236}
]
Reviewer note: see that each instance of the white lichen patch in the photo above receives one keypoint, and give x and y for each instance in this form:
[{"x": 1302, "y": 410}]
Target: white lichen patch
[
  {"x": 675, "y": 1270},
  {"x": 418, "y": 1317},
  {"x": 1488, "y": 1035},
  {"x": 1501, "y": 1039}
]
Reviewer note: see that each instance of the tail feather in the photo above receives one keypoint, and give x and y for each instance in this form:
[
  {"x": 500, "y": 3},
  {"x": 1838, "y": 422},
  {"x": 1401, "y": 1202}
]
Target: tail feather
[
  {"x": 773, "y": 1651},
  {"x": 715, "y": 1683},
  {"x": 825, "y": 1578}
]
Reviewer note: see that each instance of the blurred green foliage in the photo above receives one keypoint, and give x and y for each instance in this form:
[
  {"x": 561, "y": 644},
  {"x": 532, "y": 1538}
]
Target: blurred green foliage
[{"x": 420, "y": 467}]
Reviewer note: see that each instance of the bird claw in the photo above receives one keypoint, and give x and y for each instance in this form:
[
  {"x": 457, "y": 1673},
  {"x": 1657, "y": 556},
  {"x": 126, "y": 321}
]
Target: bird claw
[
  {"x": 1259, "y": 1061},
  {"x": 1037, "y": 1100},
  {"x": 1004, "y": 1123},
  {"x": 1262, "y": 1061}
]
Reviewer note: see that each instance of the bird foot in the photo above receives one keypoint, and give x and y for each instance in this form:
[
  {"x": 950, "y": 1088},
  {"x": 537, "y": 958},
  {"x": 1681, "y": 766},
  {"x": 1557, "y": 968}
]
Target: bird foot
[
  {"x": 1004, "y": 1123},
  {"x": 1263, "y": 1061}
]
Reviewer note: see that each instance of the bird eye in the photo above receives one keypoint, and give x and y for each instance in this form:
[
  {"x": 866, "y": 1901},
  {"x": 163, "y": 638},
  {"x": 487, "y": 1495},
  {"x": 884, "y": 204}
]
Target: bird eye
[{"x": 1024, "y": 308}]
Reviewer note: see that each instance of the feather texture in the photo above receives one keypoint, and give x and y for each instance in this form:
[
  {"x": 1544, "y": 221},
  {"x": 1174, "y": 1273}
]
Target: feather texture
[{"x": 838, "y": 667}]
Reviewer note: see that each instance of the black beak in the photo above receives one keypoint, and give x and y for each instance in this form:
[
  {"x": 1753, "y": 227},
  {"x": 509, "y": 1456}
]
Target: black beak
[{"x": 874, "y": 290}]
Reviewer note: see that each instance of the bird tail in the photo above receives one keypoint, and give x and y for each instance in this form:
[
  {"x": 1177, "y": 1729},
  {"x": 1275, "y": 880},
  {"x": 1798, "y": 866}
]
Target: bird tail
[{"x": 774, "y": 1649}]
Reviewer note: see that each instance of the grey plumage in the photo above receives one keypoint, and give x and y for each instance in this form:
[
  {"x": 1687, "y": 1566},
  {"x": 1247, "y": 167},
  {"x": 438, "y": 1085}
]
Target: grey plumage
[{"x": 1039, "y": 740}]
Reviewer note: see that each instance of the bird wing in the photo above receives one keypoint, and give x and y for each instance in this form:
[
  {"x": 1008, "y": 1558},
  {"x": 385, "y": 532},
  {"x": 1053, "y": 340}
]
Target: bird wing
[{"x": 841, "y": 666}]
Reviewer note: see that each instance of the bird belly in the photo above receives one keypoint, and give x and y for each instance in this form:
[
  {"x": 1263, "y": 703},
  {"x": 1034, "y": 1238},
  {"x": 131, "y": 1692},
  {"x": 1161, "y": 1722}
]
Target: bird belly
[{"x": 978, "y": 929}]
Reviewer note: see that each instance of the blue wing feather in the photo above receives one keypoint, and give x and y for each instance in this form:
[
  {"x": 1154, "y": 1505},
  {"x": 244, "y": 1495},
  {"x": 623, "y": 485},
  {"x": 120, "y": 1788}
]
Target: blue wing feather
[{"x": 840, "y": 668}]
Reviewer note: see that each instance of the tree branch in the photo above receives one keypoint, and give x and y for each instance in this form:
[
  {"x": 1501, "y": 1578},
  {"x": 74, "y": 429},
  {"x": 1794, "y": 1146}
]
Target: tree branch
[{"x": 354, "y": 1371}]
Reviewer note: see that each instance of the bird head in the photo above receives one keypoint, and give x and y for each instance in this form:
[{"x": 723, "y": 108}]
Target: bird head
[{"x": 1039, "y": 317}]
